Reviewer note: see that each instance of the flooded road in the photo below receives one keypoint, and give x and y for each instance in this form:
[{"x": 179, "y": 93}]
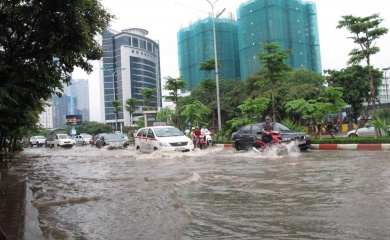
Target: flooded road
[{"x": 89, "y": 193}]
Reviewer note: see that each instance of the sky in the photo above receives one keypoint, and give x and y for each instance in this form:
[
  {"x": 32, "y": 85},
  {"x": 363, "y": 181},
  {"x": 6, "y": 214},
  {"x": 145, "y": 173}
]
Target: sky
[{"x": 164, "y": 18}]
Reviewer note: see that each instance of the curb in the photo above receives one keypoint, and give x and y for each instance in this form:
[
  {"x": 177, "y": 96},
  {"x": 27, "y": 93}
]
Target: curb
[{"x": 365, "y": 147}]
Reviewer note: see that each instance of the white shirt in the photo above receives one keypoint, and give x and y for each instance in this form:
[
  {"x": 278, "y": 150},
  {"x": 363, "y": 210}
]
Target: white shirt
[{"x": 205, "y": 131}]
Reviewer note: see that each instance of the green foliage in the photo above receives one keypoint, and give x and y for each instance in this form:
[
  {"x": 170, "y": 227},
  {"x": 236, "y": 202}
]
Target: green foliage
[
  {"x": 357, "y": 79},
  {"x": 273, "y": 65},
  {"x": 350, "y": 140},
  {"x": 381, "y": 120},
  {"x": 292, "y": 125},
  {"x": 328, "y": 101},
  {"x": 165, "y": 115},
  {"x": 208, "y": 65},
  {"x": 197, "y": 112},
  {"x": 93, "y": 128},
  {"x": 140, "y": 123},
  {"x": 131, "y": 106},
  {"x": 173, "y": 85},
  {"x": 364, "y": 30},
  {"x": 148, "y": 96},
  {"x": 41, "y": 43}
]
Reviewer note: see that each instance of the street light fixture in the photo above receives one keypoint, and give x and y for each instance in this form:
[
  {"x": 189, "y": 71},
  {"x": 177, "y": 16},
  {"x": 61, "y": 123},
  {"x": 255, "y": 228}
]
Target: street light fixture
[
  {"x": 113, "y": 72},
  {"x": 216, "y": 64},
  {"x": 387, "y": 93}
]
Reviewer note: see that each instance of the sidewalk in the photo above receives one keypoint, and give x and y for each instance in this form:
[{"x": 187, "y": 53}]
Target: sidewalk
[{"x": 12, "y": 204}]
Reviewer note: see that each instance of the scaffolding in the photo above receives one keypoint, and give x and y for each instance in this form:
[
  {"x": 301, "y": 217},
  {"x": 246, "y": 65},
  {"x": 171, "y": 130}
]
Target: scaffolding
[
  {"x": 290, "y": 23},
  {"x": 196, "y": 45}
]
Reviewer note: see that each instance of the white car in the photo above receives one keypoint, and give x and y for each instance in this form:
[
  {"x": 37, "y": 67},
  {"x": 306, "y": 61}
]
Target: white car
[
  {"x": 37, "y": 140},
  {"x": 82, "y": 139},
  {"x": 166, "y": 138},
  {"x": 368, "y": 131}
]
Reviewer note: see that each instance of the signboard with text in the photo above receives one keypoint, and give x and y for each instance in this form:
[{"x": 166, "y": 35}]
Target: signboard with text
[{"x": 74, "y": 120}]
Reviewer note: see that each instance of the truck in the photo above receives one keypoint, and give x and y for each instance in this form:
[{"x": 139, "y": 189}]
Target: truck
[{"x": 58, "y": 137}]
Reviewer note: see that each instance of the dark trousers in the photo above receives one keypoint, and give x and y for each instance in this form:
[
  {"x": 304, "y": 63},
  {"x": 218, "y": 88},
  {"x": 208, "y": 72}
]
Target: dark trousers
[{"x": 266, "y": 138}]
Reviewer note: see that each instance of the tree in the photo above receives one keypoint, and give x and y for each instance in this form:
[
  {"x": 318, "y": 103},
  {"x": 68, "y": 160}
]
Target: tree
[
  {"x": 328, "y": 101},
  {"x": 41, "y": 43},
  {"x": 131, "y": 106},
  {"x": 196, "y": 112},
  {"x": 208, "y": 65},
  {"x": 365, "y": 31},
  {"x": 353, "y": 80},
  {"x": 116, "y": 104},
  {"x": 174, "y": 85},
  {"x": 148, "y": 96},
  {"x": 250, "y": 108},
  {"x": 273, "y": 63},
  {"x": 165, "y": 115}
]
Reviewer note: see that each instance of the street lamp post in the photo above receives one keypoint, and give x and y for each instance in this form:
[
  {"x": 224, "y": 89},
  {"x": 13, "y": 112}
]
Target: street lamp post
[
  {"x": 113, "y": 72},
  {"x": 387, "y": 93},
  {"x": 216, "y": 64}
]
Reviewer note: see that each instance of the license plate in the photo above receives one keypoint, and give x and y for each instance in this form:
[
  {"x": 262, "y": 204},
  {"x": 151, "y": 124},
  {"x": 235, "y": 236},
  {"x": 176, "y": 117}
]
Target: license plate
[
  {"x": 301, "y": 142},
  {"x": 180, "y": 149}
]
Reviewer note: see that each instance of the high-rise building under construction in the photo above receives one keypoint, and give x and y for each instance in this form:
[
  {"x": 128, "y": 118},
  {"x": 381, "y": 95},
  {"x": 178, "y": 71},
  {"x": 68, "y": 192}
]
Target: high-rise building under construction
[{"x": 290, "y": 23}]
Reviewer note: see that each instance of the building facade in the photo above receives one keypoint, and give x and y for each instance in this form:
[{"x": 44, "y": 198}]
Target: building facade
[
  {"x": 131, "y": 63},
  {"x": 80, "y": 92},
  {"x": 196, "y": 45},
  {"x": 46, "y": 117},
  {"x": 290, "y": 23}
]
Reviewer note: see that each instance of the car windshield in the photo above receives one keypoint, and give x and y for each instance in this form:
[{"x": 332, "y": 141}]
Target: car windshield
[
  {"x": 63, "y": 136},
  {"x": 86, "y": 136},
  {"x": 40, "y": 137},
  {"x": 168, "y": 132},
  {"x": 112, "y": 136},
  {"x": 280, "y": 127}
]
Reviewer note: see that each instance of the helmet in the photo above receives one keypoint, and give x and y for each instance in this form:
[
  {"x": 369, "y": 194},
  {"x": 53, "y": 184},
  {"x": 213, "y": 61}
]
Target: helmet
[
  {"x": 267, "y": 118},
  {"x": 193, "y": 128}
]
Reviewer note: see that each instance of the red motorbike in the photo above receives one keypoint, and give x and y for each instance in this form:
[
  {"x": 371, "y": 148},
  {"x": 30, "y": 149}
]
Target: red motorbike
[{"x": 259, "y": 145}]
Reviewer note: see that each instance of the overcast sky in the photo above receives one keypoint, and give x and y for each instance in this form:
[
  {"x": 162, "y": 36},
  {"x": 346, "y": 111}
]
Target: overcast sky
[{"x": 163, "y": 19}]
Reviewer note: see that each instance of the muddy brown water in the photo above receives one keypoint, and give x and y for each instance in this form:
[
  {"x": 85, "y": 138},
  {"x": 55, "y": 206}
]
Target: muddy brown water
[{"x": 89, "y": 193}]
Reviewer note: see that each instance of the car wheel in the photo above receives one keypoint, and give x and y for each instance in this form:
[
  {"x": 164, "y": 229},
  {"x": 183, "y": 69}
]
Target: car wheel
[
  {"x": 31, "y": 144},
  {"x": 238, "y": 146},
  {"x": 352, "y": 135}
]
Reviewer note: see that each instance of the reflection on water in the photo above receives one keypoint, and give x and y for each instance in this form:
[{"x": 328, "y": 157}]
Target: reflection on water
[{"x": 89, "y": 193}]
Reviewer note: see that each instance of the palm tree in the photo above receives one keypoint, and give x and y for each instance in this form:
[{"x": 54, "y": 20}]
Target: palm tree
[{"x": 117, "y": 108}]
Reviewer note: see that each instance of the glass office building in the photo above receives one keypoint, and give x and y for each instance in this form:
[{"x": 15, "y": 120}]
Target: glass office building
[
  {"x": 131, "y": 63},
  {"x": 290, "y": 23},
  {"x": 196, "y": 45}
]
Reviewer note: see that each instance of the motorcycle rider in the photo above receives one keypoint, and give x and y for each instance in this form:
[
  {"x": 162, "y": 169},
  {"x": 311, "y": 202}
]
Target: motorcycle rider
[
  {"x": 204, "y": 131},
  {"x": 266, "y": 136},
  {"x": 196, "y": 136}
]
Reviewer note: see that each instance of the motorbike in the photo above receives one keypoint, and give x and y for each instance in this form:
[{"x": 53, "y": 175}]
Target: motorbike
[
  {"x": 260, "y": 146},
  {"x": 332, "y": 129},
  {"x": 206, "y": 141}
]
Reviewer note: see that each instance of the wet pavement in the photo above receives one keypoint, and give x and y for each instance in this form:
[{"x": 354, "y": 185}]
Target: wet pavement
[{"x": 86, "y": 193}]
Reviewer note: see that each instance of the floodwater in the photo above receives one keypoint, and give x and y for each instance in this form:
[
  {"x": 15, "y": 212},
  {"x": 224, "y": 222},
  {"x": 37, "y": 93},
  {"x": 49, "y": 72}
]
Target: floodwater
[{"x": 89, "y": 193}]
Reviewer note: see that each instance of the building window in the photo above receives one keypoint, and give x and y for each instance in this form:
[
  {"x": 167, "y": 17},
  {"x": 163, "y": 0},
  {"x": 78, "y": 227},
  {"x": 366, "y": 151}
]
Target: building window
[{"x": 135, "y": 42}]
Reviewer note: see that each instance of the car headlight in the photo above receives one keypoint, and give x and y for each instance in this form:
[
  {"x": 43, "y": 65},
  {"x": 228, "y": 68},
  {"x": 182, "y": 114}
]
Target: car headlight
[
  {"x": 286, "y": 139},
  {"x": 190, "y": 143},
  {"x": 164, "y": 144}
]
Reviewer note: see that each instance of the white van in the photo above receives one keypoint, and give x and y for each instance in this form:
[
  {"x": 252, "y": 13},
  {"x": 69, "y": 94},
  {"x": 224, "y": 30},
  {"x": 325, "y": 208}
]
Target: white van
[{"x": 166, "y": 138}]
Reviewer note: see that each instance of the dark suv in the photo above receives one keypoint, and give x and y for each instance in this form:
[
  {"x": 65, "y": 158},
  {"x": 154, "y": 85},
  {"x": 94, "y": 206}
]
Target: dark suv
[
  {"x": 244, "y": 138},
  {"x": 112, "y": 139}
]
